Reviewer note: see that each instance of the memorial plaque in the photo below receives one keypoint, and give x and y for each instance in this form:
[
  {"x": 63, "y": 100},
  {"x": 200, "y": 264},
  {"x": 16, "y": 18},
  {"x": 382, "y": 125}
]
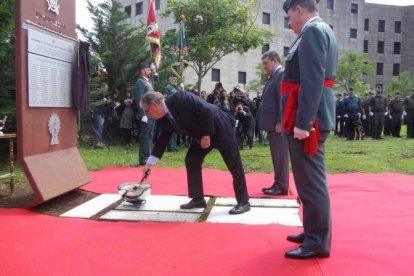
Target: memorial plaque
[
  {"x": 46, "y": 123},
  {"x": 50, "y": 60}
]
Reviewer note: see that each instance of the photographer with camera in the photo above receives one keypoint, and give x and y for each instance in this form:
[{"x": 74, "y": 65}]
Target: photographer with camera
[
  {"x": 245, "y": 125},
  {"x": 222, "y": 101}
]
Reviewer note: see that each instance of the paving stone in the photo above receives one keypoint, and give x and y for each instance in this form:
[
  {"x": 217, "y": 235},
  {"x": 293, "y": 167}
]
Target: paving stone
[
  {"x": 161, "y": 203},
  {"x": 93, "y": 206},
  {"x": 151, "y": 216},
  {"x": 260, "y": 202},
  {"x": 257, "y": 215}
]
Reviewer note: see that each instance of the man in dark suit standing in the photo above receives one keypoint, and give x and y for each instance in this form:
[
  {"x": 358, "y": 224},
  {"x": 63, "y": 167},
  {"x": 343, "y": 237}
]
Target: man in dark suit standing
[
  {"x": 270, "y": 120},
  {"x": 309, "y": 116},
  {"x": 210, "y": 127}
]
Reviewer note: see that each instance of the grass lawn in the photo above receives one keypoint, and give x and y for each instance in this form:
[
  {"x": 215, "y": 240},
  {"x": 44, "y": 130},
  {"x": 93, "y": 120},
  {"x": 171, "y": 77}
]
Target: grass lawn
[{"x": 370, "y": 156}]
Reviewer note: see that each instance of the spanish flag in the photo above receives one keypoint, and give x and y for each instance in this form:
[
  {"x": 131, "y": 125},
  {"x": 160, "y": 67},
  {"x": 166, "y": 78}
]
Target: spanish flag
[{"x": 153, "y": 33}]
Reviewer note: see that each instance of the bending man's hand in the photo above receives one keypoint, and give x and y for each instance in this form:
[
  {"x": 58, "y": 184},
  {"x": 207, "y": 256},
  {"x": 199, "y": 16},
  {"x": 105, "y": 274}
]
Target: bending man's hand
[
  {"x": 300, "y": 133},
  {"x": 205, "y": 142},
  {"x": 278, "y": 128},
  {"x": 144, "y": 119}
]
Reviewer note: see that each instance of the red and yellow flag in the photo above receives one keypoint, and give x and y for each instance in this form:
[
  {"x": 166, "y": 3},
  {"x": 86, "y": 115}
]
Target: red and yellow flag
[{"x": 153, "y": 33}]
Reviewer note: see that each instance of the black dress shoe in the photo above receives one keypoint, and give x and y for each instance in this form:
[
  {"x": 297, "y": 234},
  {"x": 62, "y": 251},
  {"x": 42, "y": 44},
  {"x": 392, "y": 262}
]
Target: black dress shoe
[
  {"x": 194, "y": 203},
  {"x": 302, "y": 253},
  {"x": 296, "y": 238},
  {"x": 275, "y": 191},
  {"x": 268, "y": 188},
  {"x": 240, "y": 208}
]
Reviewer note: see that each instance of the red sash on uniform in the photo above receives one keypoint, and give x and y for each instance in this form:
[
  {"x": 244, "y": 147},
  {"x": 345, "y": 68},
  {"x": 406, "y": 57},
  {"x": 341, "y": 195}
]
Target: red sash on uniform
[{"x": 289, "y": 115}]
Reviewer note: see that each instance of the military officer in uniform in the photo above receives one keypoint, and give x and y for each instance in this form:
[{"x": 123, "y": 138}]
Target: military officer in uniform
[
  {"x": 353, "y": 111},
  {"x": 146, "y": 125},
  {"x": 309, "y": 116},
  {"x": 366, "y": 121},
  {"x": 395, "y": 109},
  {"x": 387, "y": 118},
  {"x": 377, "y": 110},
  {"x": 170, "y": 89},
  {"x": 409, "y": 114}
]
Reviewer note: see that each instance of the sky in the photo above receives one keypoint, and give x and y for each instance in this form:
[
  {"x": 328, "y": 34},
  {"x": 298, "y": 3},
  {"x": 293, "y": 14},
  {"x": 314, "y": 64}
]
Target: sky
[{"x": 83, "y": 17}]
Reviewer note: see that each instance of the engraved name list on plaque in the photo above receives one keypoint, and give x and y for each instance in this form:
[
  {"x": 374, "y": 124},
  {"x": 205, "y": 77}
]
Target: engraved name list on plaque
[{"x": 50, "y": 59}]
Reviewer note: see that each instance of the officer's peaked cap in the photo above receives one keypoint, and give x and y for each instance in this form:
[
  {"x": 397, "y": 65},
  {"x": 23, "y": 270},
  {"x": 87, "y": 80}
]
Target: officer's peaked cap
[{"x": 289, "y": 3}]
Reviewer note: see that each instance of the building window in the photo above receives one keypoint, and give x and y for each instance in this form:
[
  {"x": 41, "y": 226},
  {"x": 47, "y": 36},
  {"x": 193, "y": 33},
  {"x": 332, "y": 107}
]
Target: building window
[
  {"x": 397, "y": 48},
  {"x": 215, "y": 75},
  {"x": 396, "y": 69},
  {"x": 380, "y": 49},
  {"x": 397, "y": 27},
  {"x": 354, "y": 8},
  {"x": 139, "y": 8},
  {"x": 265, "y": 48},
  {"x": 285, "y": 51},
  {"x": 380, "y": 69},
  {"x": 242, "y": 77},
  {"x": 354, "y": 33},
  {"x": 266, "y": 18},
  {"x": 127, "y": 10},
  {"x": 381, "y": 26},
  {"x": 157, "y": 4},
  {"x": 365, "y": 46},
  {"x": 287, "y": 23},
  {"x": 366, "y": 24},
  {"x": 330, "y": 4}
]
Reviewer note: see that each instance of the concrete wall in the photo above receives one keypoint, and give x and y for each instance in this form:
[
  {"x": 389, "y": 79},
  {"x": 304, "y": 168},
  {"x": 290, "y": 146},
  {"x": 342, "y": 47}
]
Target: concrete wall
[{"x": 340, "y": 18}]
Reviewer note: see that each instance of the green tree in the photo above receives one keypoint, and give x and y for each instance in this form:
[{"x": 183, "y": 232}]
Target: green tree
[
  {"x": 7, "y": 45},
  {"x": 117, "y": 45},
  {"x": 258, "y": 83},
  {"x": 404, "y": 84},
  {"x": 216, "y": 28},
  {"x": 352, "y": 69}
]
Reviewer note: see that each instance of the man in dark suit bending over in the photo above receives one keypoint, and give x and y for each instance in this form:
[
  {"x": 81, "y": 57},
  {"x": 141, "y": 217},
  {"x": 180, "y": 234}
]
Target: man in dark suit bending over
[{"x": 209, "y": 128}]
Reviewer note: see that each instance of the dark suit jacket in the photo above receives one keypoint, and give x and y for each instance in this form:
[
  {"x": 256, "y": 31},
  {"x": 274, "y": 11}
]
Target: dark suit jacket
[
  {"x": 270, "y": 107},
  {"x": 195, "y": 117}
]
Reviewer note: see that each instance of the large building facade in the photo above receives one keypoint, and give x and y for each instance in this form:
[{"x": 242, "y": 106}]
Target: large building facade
[{"x": 382, "y": 33}]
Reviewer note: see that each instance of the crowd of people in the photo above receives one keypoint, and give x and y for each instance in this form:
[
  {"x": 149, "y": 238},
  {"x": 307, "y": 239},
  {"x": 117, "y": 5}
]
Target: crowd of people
[
  {"x": 117, "y": 117},
  {"x": 375, "y": 116}
]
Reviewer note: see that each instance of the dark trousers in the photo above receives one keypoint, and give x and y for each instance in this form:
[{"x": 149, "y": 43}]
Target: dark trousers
[
  {"x": 366, "y": 124},
  {"x": 387, "y": 125},
  {"x": 127, "y": 135},
  {"x": 310, "y": 180},
  {"x": 339, "y": 126},
  {"x": 410, "y": 124},
  {"x": 146, "y": 136},
  {"x": 350, "y": 124},
  {"x": 231, "y": 156},
  {"x": 377, "y": 124},
  {"x": 396, "y": 124},
  {"x": 279, "y": 150}
]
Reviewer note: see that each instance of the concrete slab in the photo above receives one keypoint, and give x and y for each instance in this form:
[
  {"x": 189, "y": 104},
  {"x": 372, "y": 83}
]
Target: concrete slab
[
  {"x": 260, "y": 202},
  {"x": 165, "y": 203},
  {"x": 151, "y": 216},
  {"x": 257, "y": 215},
  {"x": 93, "y": 206}
]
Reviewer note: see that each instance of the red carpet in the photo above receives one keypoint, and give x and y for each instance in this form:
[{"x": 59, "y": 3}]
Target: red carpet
[
  {"x": 171, "y": 181},
  {"x": 373, "y": 220}
]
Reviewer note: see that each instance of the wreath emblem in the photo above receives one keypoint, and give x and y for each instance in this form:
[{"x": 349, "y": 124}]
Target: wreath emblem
[
  {"x": 53, "y": 6},
  {"x": 54, "y": 127}
]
